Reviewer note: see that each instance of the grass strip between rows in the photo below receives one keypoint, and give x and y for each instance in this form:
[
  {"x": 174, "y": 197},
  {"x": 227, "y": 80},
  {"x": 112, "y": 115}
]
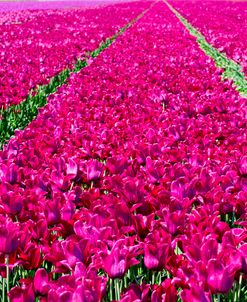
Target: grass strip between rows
[
  {"x": 20, "y": 115},
  {"x": 232, "y": 70}
]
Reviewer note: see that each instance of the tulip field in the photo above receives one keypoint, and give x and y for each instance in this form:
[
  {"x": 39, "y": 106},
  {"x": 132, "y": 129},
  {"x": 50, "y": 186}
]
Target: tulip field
[
  {"x": 123, "y": 161},
  {"x": 227, "y": 32}
]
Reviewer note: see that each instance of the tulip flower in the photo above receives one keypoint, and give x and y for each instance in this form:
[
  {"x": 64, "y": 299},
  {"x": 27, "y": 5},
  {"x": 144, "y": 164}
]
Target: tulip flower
[
  {"x": 41, "y": 282},
  {"x": 117, "y": 261},
  {"x": 94, "y": 170},
  {"x": 24, "y": 293},
  {"x": 220, "y": 279},
  {"x": 9, "y": 237},
  {"x": 137, "y": 164},
  {"x": 231, "y": 42},
  {"x": 136, "y": 293},
  {"x": 243, "y": 166},
  {"x": 157, "y": 250},
  {"x": 195, "y": 294},
  {"x": 164, "y": 292}
]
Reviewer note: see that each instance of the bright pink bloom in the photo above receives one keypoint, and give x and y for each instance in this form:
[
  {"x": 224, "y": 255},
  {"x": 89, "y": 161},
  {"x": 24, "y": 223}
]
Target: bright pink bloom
[
  {"x": 220, "y": 278},
  {"x": 9, "y": 237},
  {"x": 41, "y": 282},
  {"x": 117, "y": 261},
  {"x": 195, "y": 294},
  {"x": 94, "y": 170}
]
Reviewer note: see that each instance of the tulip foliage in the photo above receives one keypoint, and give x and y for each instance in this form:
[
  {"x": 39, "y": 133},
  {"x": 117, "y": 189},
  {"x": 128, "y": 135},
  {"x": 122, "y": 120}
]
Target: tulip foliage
[{"x": 131, "y": 183}]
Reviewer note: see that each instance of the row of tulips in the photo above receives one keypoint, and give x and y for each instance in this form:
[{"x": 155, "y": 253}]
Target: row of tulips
[
  {"x": 20, "y": 115},
  {"x": 130, "y": 185},
  {"x": 223, "y": 23},
  {"x": 44, "y": 5},
  {"x": 38, "y": 45}
]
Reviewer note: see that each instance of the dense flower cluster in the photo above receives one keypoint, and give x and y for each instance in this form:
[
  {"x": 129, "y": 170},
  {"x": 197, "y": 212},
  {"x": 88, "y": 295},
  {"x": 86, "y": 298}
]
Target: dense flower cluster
[
  {"x": 39, "y": 44},
  {"x": 223, "y": 23},
  {"x": 55, "y": 4},
  {"x": 135, "y": 165}
]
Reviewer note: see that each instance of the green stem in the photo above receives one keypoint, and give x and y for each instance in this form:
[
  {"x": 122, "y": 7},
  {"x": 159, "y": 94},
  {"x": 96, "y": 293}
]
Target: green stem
[
  {"x": 139, "y": 270},
  {"x": 153, "y": 277},
  {"x": 168, "y": 275},
  {"x": 239, "y": 287},
  {"x": 235, "y": 292},
  {"x": 3, "y": 289},
  {"x": 159, "y": 277},
  {"x": 110, "y": 286},
  {"x": 128, "y": 274},
  {"x": 117, "y": 289},
  {"x": 7, "y": 273},
  {"x": 227, "y": 218},
  {"x": 125, "y": 282},
  {"x": 120, "y": 287},
  {"x": 218, "y": 297}
]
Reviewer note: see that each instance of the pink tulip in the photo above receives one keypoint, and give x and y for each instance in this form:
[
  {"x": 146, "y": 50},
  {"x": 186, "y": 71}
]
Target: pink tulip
[
  {"x": 220, "y": 279},
  {"x": 195, "y": 294},
  {"x": 94, "y": 170},
  {"x": 157, "y": 250},
  {"x": 221, "y": 32},
  {"x": 118, "y": 260},
  {"x": 24, "y": 293},
  {"x": 9, "y": 237},
  {"x": 165, "y": 292},
  {"x": 136, "y": 293},
  {"x": 76, "y": 251},
  {"x": 41, "y": 282},
  {"x": 243, "y": 166},
  {"x": 137, "y": 163}
]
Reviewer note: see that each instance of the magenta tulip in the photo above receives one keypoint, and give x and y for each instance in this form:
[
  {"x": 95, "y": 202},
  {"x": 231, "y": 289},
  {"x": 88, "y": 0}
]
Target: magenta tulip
[
  {"x": 9, "y": 237},
  {"x": 41, "y": 282},
  {"x": 195, "y": 294},
  {"x": 220, "y": 279}
]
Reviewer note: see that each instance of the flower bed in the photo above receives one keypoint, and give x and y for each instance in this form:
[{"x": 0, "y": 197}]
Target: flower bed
[
  {"x": 223, "y": 23},
  {"x": 38, "y": 45},
  {"x": 131, "y": 183}
]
